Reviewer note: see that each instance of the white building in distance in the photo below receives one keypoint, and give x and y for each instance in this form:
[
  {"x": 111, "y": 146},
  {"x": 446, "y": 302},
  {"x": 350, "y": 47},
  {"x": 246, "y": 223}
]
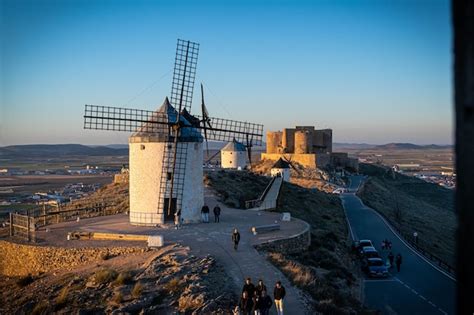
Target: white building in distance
[
  {"x": 148, "y": 202},
  {"x": 234, "y": 155},
  {"x": 281, "y": 168}
]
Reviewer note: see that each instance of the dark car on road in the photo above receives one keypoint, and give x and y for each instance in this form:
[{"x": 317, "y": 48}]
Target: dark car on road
[
  {"x": 358, "y": 245},
  {"x": 369, "y": 252},
  {"x": 374, "y": 267}
]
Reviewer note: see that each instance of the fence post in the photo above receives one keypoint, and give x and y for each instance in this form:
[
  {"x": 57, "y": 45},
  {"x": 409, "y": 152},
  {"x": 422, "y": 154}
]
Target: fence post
[
  {"x": 28, "y": 225},
  {"x": 11, "y": 224}
]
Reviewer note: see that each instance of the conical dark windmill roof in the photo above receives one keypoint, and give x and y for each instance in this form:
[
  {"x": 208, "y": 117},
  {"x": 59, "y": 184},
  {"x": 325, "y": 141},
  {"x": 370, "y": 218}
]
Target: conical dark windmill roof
[
  {"x": 234, "y": 146},
  {"x": 167, "y": 114},
  {"x": 281, "y": 164}
]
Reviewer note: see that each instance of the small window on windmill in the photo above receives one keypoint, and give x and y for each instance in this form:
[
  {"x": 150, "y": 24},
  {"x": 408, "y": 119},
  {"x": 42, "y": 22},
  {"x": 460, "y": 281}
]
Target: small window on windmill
[
  {"x": 168, "y": 176},
  {"x": 142, "y": 147}
]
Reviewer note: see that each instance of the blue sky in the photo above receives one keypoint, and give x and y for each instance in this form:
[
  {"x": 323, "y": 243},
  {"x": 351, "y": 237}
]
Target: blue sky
[{"x": 373, "y": 71}]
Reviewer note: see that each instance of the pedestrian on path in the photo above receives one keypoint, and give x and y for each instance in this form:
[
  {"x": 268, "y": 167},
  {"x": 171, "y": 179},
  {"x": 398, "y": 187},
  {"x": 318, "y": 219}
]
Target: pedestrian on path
[
  {"x": 391, "y": 258},
  {"x": 246, "y": 304},
  {"x": 217, "y": 213},
  {"x": 249, "y": 287},
  {"x": 265, "y": 303},
  {"x": 260, "y": 287},
  {"x": 205, "y": 214},
  {"x": 256, "y": 300},
  {"x": 279, "y": 294},
  {"x": 398, "y": 261},
  {"x": 236, "y": 238},
  {"x": 383, "y": 245}
]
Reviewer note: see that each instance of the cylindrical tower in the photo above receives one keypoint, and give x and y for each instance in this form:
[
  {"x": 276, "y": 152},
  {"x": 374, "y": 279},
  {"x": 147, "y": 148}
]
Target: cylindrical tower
[
  {"x": 273, "y": 141},
  {"x": 303, "y": 142}
]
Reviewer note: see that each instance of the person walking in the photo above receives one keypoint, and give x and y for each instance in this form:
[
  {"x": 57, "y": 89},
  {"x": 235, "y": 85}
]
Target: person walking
[
  {"x": 398, "y": 261},
  {"x": 279, "y": 294},
  {"x": 260, "y": 287},
  {"x": 249, "y": 287},
  {"x": 265, "y": 303},
  {"x": 391, "y": 258},
  {"x": 236, "y": 238},
  {"x": 256, "y": 300},
  {"x": 205, "y": 214},
  {"x": 246, "y": 304},
  {"x": 217, "y": 213}
]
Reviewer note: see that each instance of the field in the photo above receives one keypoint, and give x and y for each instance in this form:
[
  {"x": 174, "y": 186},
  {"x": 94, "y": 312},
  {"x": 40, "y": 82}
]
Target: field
[{"x": 424, "y": 161}]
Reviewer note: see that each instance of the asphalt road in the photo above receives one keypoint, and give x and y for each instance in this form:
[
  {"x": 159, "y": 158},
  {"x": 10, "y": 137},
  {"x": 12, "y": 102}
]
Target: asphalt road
[{"x": 419, "y": 288}]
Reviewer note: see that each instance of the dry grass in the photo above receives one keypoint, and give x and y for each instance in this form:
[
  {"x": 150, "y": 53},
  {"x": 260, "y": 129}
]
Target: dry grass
[
  {"x": 61, "y": 299},
  {"x": 40, "y": 308},
  {"x": 104, "y": 276},
  {"x": 117, "y": 298},
  {"x": 245, "y": 186},
  {"x": 137, "y": 290},
  {"x": 123, "y": 278},
  {"x": 173, "y": 286}
]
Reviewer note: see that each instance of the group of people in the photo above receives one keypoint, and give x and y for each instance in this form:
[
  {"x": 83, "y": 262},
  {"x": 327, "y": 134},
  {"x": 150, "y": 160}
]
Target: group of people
[
  {"x": 256, "y": 301},
  {"x": 391, "y": 258},
  {"x": 205, "y": 214},
  {"x": 386, "y": 244}
]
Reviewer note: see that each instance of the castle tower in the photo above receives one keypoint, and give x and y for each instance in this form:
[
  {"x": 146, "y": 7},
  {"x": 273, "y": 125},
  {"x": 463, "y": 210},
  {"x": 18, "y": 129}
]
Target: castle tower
[
  {"x": 149, "y": 190},
  {"x": 233, "y": 155}
]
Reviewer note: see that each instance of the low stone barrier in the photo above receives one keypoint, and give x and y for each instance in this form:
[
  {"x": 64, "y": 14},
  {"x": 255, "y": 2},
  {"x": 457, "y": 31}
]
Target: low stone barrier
[
  {"x": 21, "y": 260},
  {"x": 290, "y": 245}
]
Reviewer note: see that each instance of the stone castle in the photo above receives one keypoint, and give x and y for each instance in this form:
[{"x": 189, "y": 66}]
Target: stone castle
[{"x": 307, "y": 146}]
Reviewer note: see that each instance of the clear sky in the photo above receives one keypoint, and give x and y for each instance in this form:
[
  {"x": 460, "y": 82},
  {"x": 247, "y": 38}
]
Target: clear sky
[{"x": 374, "y": 71}]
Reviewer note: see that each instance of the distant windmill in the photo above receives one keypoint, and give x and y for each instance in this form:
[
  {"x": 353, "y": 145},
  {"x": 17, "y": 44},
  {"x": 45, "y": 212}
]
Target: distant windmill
[{"x": 166, "y": 153}]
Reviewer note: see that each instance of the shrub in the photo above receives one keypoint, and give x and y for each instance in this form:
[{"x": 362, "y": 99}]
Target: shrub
[
  {"x": 24, "y": 281},
  {"x": 137, "y": 290},
  {"x": 104, "y": 276},
  {"x": 123, "y": 278},
  {"x": 105, "y": 256},
  {"x": 117, "y": 298},
  {"x": 173, "y": 286},
  {"x": 40, "y": 308},
  {"x": 62, "y": 297}
]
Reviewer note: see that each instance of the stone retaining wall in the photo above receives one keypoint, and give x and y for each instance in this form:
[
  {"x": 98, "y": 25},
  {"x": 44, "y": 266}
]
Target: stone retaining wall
[
  {"x": 291, "y": 245},
  {"x": 21, "y": 260}
]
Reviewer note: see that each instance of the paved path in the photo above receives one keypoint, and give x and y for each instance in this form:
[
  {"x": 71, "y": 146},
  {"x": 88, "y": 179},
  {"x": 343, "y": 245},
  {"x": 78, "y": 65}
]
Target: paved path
[
  {"x": 419, "y": 288},
  {"x": 203, "y": 239}
]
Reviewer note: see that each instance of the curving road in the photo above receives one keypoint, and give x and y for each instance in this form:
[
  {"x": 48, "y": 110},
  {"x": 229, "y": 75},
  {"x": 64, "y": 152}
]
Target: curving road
[{"x": 419, "y": 287}]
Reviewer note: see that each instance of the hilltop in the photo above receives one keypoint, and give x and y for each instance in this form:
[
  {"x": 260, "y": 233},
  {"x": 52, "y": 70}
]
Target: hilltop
[{"x": 58, "y": 150}]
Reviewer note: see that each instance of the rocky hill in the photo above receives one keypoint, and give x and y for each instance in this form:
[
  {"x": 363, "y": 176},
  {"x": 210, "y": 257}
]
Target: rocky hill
[{"x": 164, "y": 281}]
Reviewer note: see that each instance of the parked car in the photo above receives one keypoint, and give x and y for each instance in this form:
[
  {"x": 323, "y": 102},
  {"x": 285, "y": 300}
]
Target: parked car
[
  {"x": 375, "y": 267},
  {"x": 370, "y": 252},
  {"x": 358, "y": 245}
]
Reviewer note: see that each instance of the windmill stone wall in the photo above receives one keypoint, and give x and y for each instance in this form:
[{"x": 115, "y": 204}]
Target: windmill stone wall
[{"x": 146, "y": 158}]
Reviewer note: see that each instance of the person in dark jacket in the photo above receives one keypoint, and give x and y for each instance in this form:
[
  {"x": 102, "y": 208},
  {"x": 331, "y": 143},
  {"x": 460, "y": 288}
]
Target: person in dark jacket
[
  {"x": 249, "y": 287},
  {"x": 236, "y": 238},
  {"x": 260, "y": 287},
  {"x": 398, "y": 261},
  {"x": 265, "y": 303},
  {"x": 205, "y": 214},
  {"x": 279, "y": 294},
  {"x": 217, "y": 213},
  {"x": 256, "y": 300},
  {"x": 246, "y": 304},
  {"x": 391, "y": 258}
]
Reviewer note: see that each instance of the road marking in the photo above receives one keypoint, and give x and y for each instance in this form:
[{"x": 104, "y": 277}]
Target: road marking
[
  {"x": 403, "y": 241},
  {"x": 422, "y": 297}
]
